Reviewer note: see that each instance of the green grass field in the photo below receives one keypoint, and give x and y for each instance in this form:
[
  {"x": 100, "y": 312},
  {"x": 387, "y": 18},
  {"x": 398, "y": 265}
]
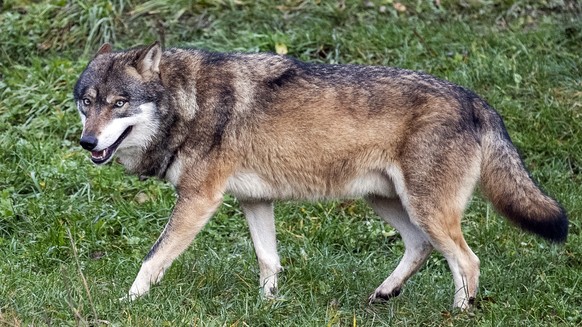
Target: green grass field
[{"x": 72, "y": 235}]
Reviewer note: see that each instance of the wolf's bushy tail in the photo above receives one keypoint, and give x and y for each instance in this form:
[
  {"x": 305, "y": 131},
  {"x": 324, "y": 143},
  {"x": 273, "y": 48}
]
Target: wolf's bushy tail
[{"x": 507, "y": 184}]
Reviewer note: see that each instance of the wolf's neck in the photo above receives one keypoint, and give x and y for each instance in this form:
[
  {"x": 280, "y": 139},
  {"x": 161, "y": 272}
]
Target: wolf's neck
[{"x": 158, "y": 156}]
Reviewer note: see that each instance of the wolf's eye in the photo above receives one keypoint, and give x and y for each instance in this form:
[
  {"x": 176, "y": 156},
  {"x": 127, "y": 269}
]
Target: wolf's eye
[
  {"x": 86, "y": 102},
  {"x": 119, "y": 103}
]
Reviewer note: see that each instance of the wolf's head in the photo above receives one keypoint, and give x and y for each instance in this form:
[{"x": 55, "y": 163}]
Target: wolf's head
[{"x": 117, "y": 97}]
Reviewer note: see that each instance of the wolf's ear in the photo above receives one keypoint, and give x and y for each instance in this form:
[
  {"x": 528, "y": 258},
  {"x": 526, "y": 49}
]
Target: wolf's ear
[
  {"x": 149, "y": 62},
  {"x": 105, "y": 48}
]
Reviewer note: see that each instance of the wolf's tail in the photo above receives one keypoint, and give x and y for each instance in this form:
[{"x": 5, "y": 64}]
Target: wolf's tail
[{"x": 507, "y": 184}]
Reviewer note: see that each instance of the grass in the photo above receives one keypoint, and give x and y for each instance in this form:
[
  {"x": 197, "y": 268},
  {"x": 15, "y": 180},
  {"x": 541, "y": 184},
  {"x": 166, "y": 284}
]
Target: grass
[{"x": 72, "y": 235}]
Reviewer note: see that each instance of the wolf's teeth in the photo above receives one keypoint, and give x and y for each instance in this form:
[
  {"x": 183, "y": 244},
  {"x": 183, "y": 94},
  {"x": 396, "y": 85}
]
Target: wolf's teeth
[{"x": 98, "y": 154}]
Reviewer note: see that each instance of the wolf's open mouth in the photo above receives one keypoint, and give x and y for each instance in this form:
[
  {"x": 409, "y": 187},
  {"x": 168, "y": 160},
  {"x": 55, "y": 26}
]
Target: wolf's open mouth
[{"x": 102, "y": 156}]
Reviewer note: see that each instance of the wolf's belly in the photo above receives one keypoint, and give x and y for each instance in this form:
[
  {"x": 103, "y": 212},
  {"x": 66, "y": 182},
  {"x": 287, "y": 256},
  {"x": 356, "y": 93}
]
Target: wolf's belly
[{"x": 250, "y": 185}]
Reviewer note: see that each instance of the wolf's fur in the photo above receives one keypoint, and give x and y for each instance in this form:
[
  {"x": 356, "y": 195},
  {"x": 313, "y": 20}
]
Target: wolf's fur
[{"x": 266, "y": 127}]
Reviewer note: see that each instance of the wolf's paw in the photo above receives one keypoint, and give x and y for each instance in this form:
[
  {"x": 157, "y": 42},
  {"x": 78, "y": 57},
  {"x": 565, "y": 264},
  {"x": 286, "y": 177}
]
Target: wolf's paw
[
  {"x": 129, "y": 297},
  {"x": 270, "y": 293},
  {"x": 464, "y": 304},
  {"x": 381, "y": 296},
  {"x": 137, "y": 290}
]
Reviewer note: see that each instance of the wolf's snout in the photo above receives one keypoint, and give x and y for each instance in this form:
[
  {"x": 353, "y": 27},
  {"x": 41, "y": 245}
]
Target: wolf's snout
[{"x": 88, "y": 142}]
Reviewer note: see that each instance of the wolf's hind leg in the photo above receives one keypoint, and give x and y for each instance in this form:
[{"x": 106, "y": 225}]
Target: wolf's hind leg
[
  {"x": 417, "y": 246},
  {"x": 261, "y": 222},
  {"x": 188, "y": 218},
  {"x": 436, "y": 193},
  {"x": 445, "y": 234}
]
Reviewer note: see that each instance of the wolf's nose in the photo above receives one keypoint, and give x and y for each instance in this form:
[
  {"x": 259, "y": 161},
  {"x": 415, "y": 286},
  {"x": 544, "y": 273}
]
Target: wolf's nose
[{"x": 88, "y": 142}]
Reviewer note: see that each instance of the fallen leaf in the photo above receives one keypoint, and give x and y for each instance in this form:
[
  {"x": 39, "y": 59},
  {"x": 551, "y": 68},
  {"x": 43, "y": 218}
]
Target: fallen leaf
[
  {"x": 281, "y": 48},
  {"x": 142, "y": 198},
  {"x": 399, "y": 7}
]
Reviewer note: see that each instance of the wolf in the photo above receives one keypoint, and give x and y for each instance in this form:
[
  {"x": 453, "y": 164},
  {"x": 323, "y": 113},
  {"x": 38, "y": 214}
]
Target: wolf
[{"x": 264, "y": 127}]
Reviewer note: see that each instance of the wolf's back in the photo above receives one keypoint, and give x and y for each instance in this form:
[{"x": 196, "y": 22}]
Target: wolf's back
[{"x": 508, "y": 185}]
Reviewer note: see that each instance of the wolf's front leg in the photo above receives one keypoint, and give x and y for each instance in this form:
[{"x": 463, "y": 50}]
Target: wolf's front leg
[
  {"x": 261, "y": 222},
  {"x": 190, "y": 214}
]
